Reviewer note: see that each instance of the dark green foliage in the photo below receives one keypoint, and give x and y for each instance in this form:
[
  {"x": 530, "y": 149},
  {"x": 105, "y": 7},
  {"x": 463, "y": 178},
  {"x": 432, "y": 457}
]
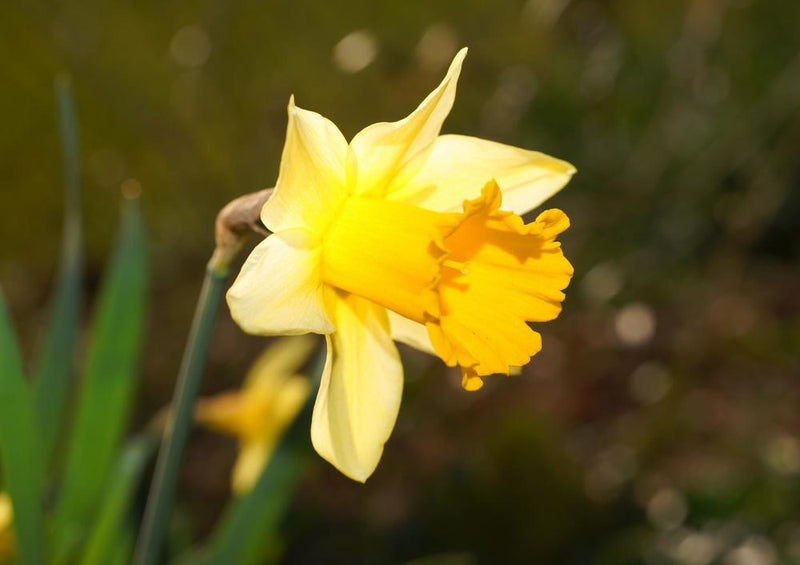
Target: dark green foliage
[
  {"x": 107, "y": 389},
  {"x": 20, "y": 448}
]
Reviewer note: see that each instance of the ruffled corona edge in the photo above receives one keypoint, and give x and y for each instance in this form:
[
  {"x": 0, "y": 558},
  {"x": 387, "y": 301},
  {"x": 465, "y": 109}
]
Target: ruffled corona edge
[{"x": 496, "y": 274}]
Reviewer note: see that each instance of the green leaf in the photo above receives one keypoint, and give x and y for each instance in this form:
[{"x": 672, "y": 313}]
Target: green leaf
[
  {"x": 55, "y": 363},
  {"x": 109, "y": 532},
  {"x": 123, "y": 553},
  {"x": 250, "y": 524},
  {"x": 248, "y": 531},
  {"x": 20, "y": 452},
  {"x": 107, "y": 390}
]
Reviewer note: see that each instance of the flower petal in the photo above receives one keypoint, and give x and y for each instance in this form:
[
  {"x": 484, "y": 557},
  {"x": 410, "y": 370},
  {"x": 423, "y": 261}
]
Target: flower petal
[
  {"x": 249, "y": 465},
  {"x": 499, "y": 274},
  {"x": 279, "y": 289},
  {"x": 385, "y": 155},
  {"x": 459, "y": 166},
  {"x": 410, "y": 332},
  {"x": 361, "y": 388},
  {"x": 312, "y": 174}
]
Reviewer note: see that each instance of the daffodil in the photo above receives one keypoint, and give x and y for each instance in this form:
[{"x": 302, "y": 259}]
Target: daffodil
[
  {"x": 402, "y": 234},
  {"x": 6, "y": 538},
  {"x": 268, "y": 402}
]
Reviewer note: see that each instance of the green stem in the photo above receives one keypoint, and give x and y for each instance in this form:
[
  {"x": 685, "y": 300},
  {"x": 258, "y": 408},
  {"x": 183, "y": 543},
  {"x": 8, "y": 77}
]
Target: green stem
[{"x": 162, "y": 493}]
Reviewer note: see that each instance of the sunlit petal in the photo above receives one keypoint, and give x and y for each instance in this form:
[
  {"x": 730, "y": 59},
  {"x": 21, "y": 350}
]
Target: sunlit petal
[
  {"x": 361, "y": 388},
  {"x": 279, "y": 289},
  {"x": 312, "y": 174},
  {"x": 460, "y": 165},
  {"x": 385, "y": 155}
]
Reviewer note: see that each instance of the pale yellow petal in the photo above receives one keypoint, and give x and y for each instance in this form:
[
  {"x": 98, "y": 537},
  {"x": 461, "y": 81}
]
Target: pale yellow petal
[
  {"x": 459, "y": 166},
  {"x": 312, "y": 173},
  {"x": 385, "y": 155},
  {"x": 283, "y": 358},
  {"x": 279, "y": 289},
  {"x": 249, "y": 465},
  {"x": 410, "y": 332},
  {"x": 360, "y": 392}
]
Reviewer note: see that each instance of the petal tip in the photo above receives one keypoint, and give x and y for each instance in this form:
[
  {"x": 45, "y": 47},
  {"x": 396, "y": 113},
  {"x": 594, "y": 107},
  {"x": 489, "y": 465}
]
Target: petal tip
[
  {"x": 470, "y": 381},
  {"x": 458, "y": 60},
  {"x": 360, "y": 477},
  {"x": 356, "y": 472}
]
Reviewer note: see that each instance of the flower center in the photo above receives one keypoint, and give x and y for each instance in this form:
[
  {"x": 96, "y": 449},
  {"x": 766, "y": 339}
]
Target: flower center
[{"x": 474, "y": 279}]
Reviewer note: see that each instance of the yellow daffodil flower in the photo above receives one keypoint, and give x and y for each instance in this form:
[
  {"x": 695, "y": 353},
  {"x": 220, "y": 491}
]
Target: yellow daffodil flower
[
  {"x": 6, "y": 537},
  {"x": 257, "y": 416},
  {"x": 402, "y": 234}
]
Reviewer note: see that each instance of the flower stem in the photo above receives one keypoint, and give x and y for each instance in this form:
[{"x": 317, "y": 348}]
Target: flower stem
[{"x": 162, "y": 494}]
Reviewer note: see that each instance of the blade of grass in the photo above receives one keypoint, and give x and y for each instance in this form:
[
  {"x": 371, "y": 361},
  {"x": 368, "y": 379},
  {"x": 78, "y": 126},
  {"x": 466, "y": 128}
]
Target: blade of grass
[
  {"x": 20, "y": 453},
  {"x": 109, "y": 532},
  {"x": 55, "y": 364},
  {"x": 107, "y": 390}
]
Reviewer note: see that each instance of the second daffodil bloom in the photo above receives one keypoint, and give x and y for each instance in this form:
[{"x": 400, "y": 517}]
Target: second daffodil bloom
[
  {"x": 6, "y": 537},
  {"x": 257, "y": 415},
  {"x": 402, "y": 234}
]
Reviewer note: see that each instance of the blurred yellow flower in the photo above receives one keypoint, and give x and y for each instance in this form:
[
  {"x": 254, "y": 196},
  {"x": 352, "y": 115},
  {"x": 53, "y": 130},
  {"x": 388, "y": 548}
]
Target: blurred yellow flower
[
  {"x": 258, "y": 414},
  {"x": 400, "y": 235},
  {"x": 6, "y": 536}
]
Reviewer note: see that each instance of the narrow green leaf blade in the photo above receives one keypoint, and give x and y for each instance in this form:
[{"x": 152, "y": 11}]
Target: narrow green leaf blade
[
  {"x": 55, "y": 364},
  {"x": 109, "y": 530},
  {"x": 251, "y": 524},
  {"x": 107, "y": 390},
  {"x": 20, "y": 453},
  {"x": 248, "y": 530}
]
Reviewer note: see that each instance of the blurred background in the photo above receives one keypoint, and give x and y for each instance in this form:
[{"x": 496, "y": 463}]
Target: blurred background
[{"x": 660, "y": 424}]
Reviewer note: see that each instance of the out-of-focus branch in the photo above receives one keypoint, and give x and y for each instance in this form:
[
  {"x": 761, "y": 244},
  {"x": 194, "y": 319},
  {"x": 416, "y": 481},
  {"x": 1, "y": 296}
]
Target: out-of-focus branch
[{"x": 237, "y": 219}]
